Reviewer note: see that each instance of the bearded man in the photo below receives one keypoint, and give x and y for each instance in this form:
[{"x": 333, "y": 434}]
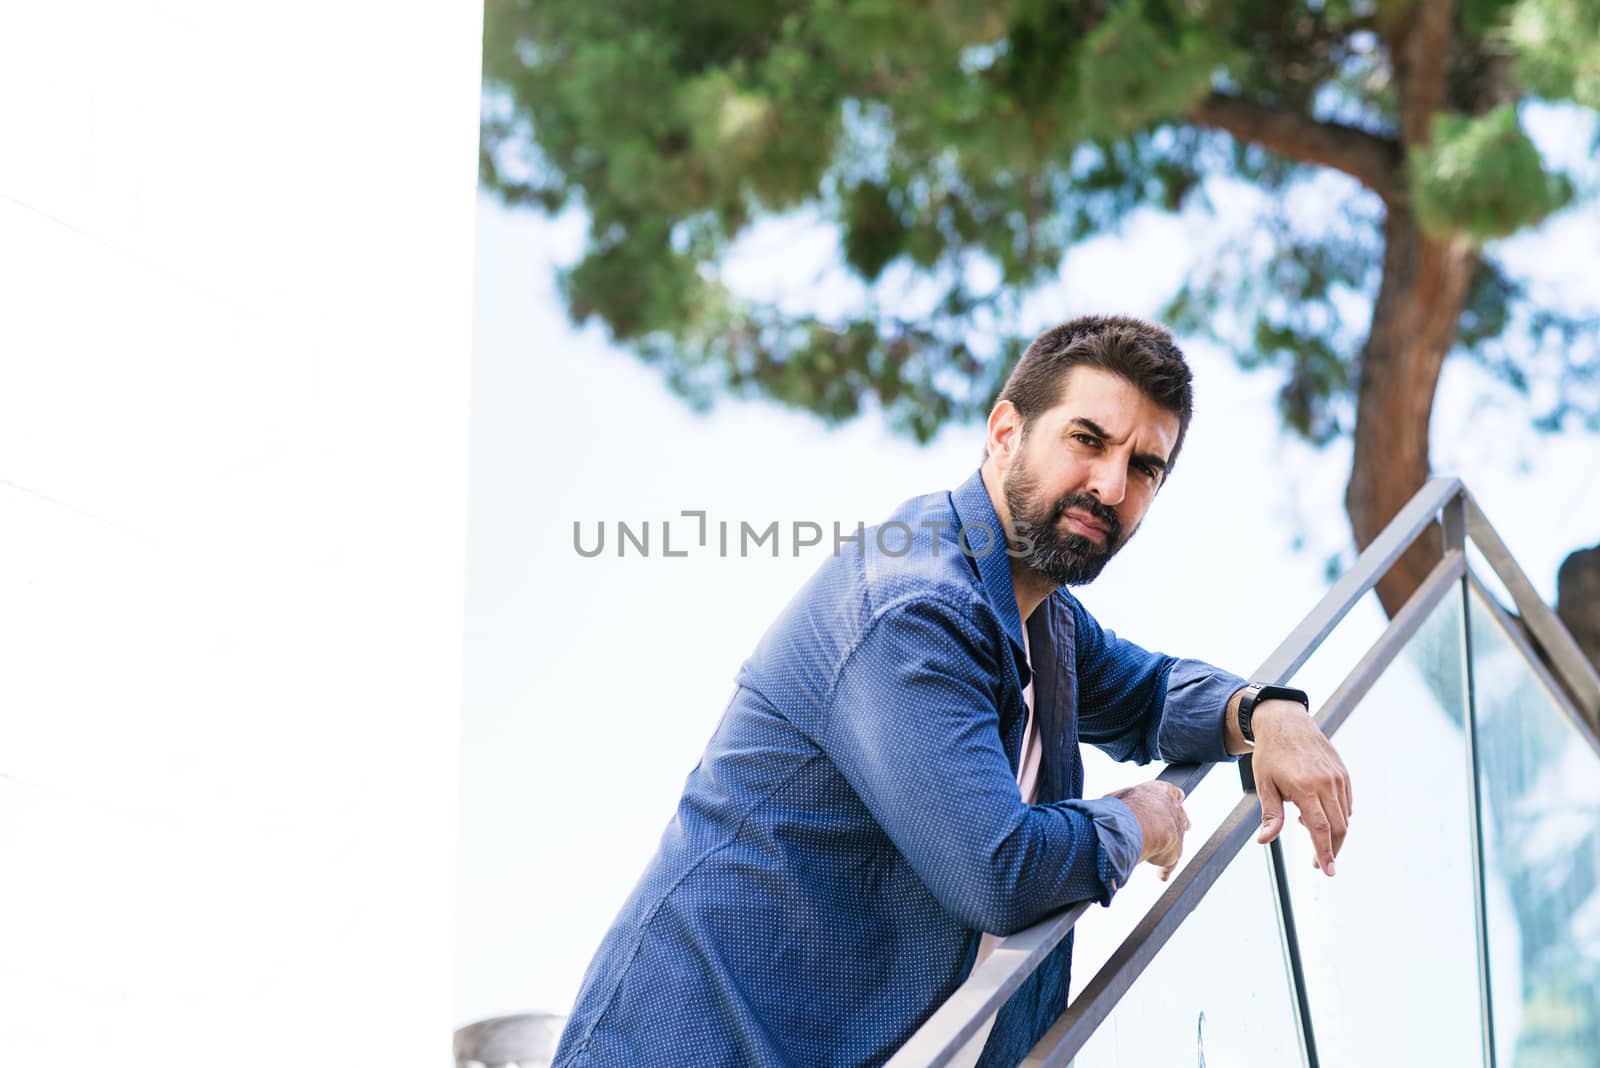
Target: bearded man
[{"x": 897, "y": 781}]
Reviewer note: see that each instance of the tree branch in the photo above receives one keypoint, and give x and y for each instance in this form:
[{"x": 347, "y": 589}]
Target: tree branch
[
  {"x": 1372, "y": 160},
  {"x": 1422, "y": 79}
]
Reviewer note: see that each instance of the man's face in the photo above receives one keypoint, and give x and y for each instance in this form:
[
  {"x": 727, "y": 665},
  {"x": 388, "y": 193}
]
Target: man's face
[{"x": 1086, "y": 472}]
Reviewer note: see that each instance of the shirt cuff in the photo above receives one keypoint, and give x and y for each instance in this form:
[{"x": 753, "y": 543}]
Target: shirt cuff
[
  {"x": 1121, "y": 842},
  {"x": 1194, "y": 718}
]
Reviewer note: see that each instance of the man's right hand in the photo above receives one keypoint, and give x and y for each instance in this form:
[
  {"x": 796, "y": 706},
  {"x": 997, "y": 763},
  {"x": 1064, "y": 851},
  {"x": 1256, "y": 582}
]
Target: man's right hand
[{"x": 1158, "y": 806}]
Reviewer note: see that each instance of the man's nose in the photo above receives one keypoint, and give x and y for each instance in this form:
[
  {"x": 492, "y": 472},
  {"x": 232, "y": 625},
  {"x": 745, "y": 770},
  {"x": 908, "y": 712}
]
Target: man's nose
[{"x": 1109, "y": 482}]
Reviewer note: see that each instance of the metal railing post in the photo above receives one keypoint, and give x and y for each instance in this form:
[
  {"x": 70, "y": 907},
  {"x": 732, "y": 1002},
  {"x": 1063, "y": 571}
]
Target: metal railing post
[
  {"x": 1293, "y": 963},
  {"x": 1454, "y": 519},
  {"x": 1543, "y": 641}
]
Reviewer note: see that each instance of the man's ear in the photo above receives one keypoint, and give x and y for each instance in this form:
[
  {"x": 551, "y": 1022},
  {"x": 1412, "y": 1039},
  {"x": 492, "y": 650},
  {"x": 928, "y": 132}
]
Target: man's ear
[{"x": 1005, "y": 431}]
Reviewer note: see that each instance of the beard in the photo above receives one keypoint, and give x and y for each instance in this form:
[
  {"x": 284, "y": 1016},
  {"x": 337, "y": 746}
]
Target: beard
[{"x": 1065, "y": 558}]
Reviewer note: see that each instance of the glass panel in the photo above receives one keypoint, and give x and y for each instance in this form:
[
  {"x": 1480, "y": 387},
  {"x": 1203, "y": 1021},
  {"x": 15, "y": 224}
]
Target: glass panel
[
  {"x": 1341, "y": 650},
  {"x": 1540, "y": 797},
  {"x": 1485, "y": 574},
  {"x": 1389, "y": 945},
  {"x": 1217, "y": 993},
  {"x": 1101, "y": 931}
]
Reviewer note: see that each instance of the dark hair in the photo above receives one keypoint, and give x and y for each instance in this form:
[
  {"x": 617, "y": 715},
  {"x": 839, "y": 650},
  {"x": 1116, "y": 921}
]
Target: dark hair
[{"x": 1141, "y": 352}]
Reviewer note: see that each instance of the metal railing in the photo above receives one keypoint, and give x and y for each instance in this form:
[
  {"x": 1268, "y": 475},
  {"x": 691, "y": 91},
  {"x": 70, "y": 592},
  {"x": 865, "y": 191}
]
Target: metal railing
[{"x": 1443, "y": 506}]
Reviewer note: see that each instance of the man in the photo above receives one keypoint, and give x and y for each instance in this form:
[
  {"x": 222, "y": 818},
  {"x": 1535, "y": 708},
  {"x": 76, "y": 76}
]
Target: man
[{"x": 897, "y": 778}]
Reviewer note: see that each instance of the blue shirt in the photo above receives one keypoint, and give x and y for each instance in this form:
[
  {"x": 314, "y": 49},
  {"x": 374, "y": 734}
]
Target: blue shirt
[{"x": 855, "y": 825}]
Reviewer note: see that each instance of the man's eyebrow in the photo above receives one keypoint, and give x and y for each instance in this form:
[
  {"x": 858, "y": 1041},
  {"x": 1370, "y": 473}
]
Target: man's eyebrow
[
  {"x": 1156, "y": 462},
  {"x": 1092, "y": 427}
]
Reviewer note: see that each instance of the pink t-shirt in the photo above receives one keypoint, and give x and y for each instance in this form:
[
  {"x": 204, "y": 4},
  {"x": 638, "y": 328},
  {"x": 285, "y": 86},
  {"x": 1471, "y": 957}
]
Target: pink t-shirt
[
  {"x": 1027, "y": 775},
  {"x": 1028, "y": 786}
]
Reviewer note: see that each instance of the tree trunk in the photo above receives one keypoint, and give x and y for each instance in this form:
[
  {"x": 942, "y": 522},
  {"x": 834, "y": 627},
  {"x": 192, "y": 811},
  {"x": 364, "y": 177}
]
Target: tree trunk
[{"x": 1413, "y": 327}]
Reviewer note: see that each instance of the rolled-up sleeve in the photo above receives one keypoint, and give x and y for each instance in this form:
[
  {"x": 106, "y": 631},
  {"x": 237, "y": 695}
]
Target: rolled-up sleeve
[
  {"x": 1194, "y": 717},
  {"x": 1121, "y": 841},
  {"x": 1141, "y": 706},
  {"x": 913, "y": 725}
]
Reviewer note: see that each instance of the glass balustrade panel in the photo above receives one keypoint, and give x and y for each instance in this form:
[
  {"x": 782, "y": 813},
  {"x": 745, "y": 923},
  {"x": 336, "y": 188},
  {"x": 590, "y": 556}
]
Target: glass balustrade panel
[
  {"x": 1101, "y": 930},
  {"x": 1539, "y": 777},
  {"x": 1217, "y": 994},
  {"x": 1341, "y": 650},
  {"x": 1390, "y": 942}
]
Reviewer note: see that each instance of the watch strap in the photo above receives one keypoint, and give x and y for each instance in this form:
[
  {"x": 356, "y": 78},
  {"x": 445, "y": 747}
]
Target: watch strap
[{"x": 1257, "y": 692}]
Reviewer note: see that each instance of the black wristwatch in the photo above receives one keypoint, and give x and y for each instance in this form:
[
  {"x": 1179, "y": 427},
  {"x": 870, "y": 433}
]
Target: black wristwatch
[{"x": 1257, "y": 692}]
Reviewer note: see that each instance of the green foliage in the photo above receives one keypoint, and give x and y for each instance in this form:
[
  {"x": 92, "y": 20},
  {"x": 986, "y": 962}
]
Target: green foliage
[
  {"x": 874, "y": 230},
  {"x": 1277, "y": 298},
  {"x": 955, "y": 141},
  {"x": 1482, "y": 177},
  {"x": 1484, "y": 16},
  {"x": 1490, "y": 299},
  {"x": 1556, "y": 355},
  {"x": 921, "y": 374},
  {"x": 1141, "y": 64},
  {"x": 1557, "y": 44}
]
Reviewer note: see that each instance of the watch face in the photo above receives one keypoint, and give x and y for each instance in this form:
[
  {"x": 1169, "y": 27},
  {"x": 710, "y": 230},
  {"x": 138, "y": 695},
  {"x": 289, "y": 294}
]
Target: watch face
[{"x": 1283, "y": 693}]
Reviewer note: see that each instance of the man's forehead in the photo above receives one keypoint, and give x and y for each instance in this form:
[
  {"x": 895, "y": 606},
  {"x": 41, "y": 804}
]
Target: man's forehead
[{"x": 1114, "y": 404}]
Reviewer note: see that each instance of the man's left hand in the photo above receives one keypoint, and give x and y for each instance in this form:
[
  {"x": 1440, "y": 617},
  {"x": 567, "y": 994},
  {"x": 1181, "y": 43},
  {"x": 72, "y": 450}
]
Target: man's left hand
[{"x": 1294, "y": 761}]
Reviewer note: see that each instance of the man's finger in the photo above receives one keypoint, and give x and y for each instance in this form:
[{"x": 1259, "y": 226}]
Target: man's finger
[
  {"x": 1331, "y": 798},
  {"x": 1271, "y": 811},
  {"x": 1321, "y": 828}
]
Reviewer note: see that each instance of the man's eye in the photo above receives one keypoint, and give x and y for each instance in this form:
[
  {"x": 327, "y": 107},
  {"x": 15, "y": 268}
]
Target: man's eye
[
  {"x": 1146, "y": 470},
  {"x": 1086, "y": 439}
]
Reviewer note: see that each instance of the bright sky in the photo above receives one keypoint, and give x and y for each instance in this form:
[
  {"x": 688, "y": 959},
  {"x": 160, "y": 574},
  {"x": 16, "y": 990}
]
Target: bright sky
[{"x": 593, "y": 684}]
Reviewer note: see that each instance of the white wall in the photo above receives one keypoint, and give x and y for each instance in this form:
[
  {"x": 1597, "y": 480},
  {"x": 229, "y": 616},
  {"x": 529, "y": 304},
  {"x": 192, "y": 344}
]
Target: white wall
[{"x": 234, "y": 316}]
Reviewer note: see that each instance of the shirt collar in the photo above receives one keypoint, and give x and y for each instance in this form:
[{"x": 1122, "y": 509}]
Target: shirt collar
[{"x": 975, "y": 510}]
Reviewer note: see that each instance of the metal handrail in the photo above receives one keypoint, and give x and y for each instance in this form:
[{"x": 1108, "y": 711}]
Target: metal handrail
[
  {"x": 1572, "y": 669},
  {"x": 948, "y": 1030},
  {"x": 1114, "y": 979}
]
